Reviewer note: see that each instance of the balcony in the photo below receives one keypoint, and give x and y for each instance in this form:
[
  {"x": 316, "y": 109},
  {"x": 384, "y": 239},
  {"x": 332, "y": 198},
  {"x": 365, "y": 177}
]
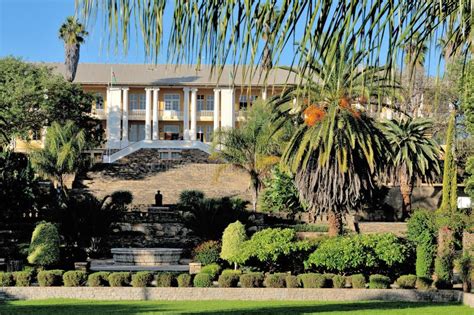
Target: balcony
[
  {"x": 170, "y": 115},
  {"x": 136, "y": 114},
  {"x": 205, "y": 115}
]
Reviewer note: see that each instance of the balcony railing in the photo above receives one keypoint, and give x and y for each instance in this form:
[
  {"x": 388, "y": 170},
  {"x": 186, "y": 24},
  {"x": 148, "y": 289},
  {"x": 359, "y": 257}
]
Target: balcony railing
[
  {"x": 205, "y": 114},
  {"x": 170, "y": 115},
  {"x": 99, "y": 113}
]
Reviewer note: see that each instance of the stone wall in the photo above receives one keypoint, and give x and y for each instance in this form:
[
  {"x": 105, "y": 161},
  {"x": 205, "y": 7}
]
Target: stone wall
[{"x": 255, "y": 294}]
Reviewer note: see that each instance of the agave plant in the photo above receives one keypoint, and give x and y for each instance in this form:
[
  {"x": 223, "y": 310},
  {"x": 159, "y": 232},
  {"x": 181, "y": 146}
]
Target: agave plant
[{"x": 72, "y": 33}]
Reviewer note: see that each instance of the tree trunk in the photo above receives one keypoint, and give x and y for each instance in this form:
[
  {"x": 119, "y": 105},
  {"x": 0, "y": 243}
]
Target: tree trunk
[
  {"x": 335, "y": 223},
  {"x": 406, "y": 189},
  {"x": 255, "y": 187},
  {"x": 71, "y": 60}
]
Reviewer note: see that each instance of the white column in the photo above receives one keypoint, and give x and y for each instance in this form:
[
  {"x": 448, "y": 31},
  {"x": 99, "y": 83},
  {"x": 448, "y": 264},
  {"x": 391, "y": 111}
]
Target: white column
[
  {"x": 193, "y": 114},
  {"x": 228, "y": 108},
  {"x": 186, "y": 114},
  {"x": 148, "y": 114},
  {"x": 114, "y": 117},
  {"x": 156, "y": 132},
  {"x": 217, "y": 105},
  {"x": 124, "y": 116}
]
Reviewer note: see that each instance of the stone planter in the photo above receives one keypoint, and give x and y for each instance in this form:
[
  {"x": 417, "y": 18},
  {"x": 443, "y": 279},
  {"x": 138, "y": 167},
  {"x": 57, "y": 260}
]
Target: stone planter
[{"x": 146, "y": 256}]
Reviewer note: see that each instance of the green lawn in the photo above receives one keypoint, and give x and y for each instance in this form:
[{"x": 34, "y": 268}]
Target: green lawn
[{"x": 227, "y": 307}]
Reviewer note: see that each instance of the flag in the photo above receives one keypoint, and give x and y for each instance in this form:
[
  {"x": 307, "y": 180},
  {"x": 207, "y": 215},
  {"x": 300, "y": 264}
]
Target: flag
[{"x": 113, "y": 78}]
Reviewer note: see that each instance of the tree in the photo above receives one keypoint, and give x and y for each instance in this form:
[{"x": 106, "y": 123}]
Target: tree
[
  {"x": 232, "y": 240},
  {"x": 72, "y": 33},
  {"x": 61, "y": 154},
  {"x": 44, "y": 247},
  {"x": 468, "y": 109},
  {"x": 414, "y": 155}
]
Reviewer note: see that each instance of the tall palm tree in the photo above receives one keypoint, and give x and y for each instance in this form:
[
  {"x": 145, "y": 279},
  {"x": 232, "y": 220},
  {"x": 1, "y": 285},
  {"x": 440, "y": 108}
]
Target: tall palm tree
[
  {"x": 72, "y": 33},
  {"x": 414, "y": 155}
]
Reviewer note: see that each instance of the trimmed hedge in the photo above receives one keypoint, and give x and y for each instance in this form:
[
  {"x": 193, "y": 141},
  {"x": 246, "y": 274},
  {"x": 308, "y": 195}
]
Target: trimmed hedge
[
  {"x": 379, "y": 282},
  {"x": 406, "y": 282},
  {"x": 49, "y": 278},
  {"x": 6, "y": 279},
  {"x": 228, "y": 280},
  {"x": 339, "y": 281},
  {"x": 275, "y": 280},
  {"x": 202, "y": 280},
  {"x": 165, "y": 280},
  {"x": 358, "y": 281},
  {"x": 119, "y": 279},
  {"x": 313, "y": 280},
  {"x": 142, "y": 279},
  {"x": 23, "y": 278},
  {"x": 185, "y": 280},
  {"x": 251, "y": 280},
  {"x": 231, "y": 271},
  {"x": 213, "y": 270},
  {"x": 292, "y": 281},
  {"x": 74, "y": 278},
  {"x": 423, "y": 283},
  {"x": 98, "y": 279}
]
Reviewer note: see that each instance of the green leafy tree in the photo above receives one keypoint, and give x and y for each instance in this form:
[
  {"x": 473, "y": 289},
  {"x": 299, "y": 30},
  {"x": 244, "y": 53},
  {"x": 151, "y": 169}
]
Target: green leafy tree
[
  {"x": 468, "y": 110},
  {"x": 414, "y": 155},
  {"x": 44, "y": 246},
  {"x": 72, "y": 33},
  {"x": 232, "y": 241}
]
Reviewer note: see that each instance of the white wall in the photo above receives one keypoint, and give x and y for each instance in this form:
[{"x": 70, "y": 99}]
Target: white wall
[
  {"x": 227, "y": 108},
  {"x": 114, "y": 113}
]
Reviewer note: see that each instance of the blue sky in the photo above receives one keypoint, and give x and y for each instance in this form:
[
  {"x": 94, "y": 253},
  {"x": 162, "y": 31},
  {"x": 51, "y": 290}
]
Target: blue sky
[{"x": 29, "y": 29}]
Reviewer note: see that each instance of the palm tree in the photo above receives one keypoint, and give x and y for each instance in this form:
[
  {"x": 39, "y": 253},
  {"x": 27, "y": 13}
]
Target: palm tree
[
  {"x": 72, "y": 33},
  {"x": 61, "y": 154},
  {"x": 414, "y": 155}
]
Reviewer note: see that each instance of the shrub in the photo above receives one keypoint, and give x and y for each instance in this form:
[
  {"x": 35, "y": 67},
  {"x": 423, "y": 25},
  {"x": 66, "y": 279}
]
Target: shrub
[
  {"x": 358, "y": 281},
  {"x": 292, "y": 281},
  {"x": 422, "y": 230},
  {"x": 379, "y": 282},
  {"x": 231, "y": 272},
  {"x": 423, "y": 283},
  {"x": 185, "y": 280},
  {"x": 212, "y": 270},
  {"x": 49, "y": 278},
  {"x": 6, "y": 279},
  {"x": 165, "y": 279},
  {"x": 202, "y": 280},
  {"x": 443, "y": 270},
  {"x": 98, "y": 279},
  {"x": 251, "y": 280},
  {"x": 119, "y": 279},
  {"x": 44, "y": 246},
  {"x": 442, "y": 284},
  {"x": 142, "y": 279},
  {"x": 74, "y": 278},
  {"x": 232, "y": 241},
  {"x": 339, "y": 281},
  {"x": 313, "y": 280},
  {"x": 207, "y": 252},
  {"x": 23, "y": 278},
  {"x": 228, "y": 280},
  {"x": 280, "y": 193},
  {"x": 406, "y": 282},
  {"x": 275, "y": 280},
  {"x": 329, "y": 277}
]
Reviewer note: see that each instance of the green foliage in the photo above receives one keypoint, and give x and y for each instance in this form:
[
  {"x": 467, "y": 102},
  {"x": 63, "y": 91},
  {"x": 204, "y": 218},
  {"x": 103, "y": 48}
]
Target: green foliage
[
  {"x": 213, "y": 270},
  {"x": 275, "y": 280},
  {"x": 443, "y": 271},
  {"x": 251, "y": 280},
  {"x": 313, "y": 280},
  {"x": 98, "y": 279},
  {"x": 406, "y": 281},
  {"x": 366, "y": 253},
  {"x": 119, "y": 279},
  {"x": 44, "y": 246},
  {"x": 422, "y": 230},
  {"x": 190, "y": 198},
  {"x": 464, "y": 265},
  {"x": 339, "y": 281},
  {"x": 6, "y": 279},
  {"x": 228, "y": 280},
  {"x": 165, "y": 279},
  {"x": 75, "y": 278},
  {"x": 292, "y": 281},
  {"x": 142, "y": 279},
  {"x": 379, "y": 282},
  {"x": 23, "y": 278},
  {"x": 231, "y": 272},
  {"x": 202, "y": 280},
  {"x": 49, "y": 278},
  {"x": 310, "y": 228},
  {"x": 468, "y": 109},
  {"x": 185, "y": 280},
  {"x": 423, "y": 283},
  {"x": 233, "y": 239},
  {"x": 358, "y": 281},
  {"x": 207, "y": 252},
  {"x": 269, "y": 244}
]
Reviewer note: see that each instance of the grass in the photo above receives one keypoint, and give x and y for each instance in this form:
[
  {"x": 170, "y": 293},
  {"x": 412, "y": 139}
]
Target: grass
[{"x": 71, "y": 307}]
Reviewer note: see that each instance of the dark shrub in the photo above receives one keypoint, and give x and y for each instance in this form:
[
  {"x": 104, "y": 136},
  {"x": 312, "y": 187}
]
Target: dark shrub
[
  {"x": 98, "y": 279},
  {"x": 358, "y": 281},
  {"x": 339, "y": 281},
  {"x": 212, "y": 270},
  {"x": 74, "y": 278},
  {"x": 406, "y": 282},
  {"x": 228, "y": 280},
  {"x": 208, "y": 252},
  {"x": 23, "y": 278},
  {"x": 379, "y": 282},
  {"x": 292, "y": 281},
  {"x": 251, "y": 280},
  {"x": 165, "y": 279},
  {"x": 442, "y": 284},
  {"x": 6, "y": 279},
  {"x": 202, "y": 280},
  {"x": 185, "y": 280},
  {"x": 119, "y": 279},
  {"x": 49, "y": 278},
  {"x": 142, "y": 279},
  {"x": 423, "y": 283},
  {"x": 275, "y": 280},
  {"x": 313, "y": 280},
  {"x": 329, "y": 277}
]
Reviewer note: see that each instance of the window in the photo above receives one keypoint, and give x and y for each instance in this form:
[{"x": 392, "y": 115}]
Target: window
[
  {"x": 200, "y": 103},
  {"x": 245, "y": 101},
  {"x": 172, "y": 102},
  {"x": 171, "y": 128},
  {"x": 99, "y": 101},
  {"x": 36, "y": 135},
  {"x": 137, "y": 101},
  {"x": 210, "y": 102}
]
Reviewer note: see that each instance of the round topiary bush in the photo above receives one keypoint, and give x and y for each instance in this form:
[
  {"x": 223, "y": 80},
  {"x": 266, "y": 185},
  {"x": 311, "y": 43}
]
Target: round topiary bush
[
  {"x": 142, "y": 279},
  {"x": 98, "y": 279},
  {"x": 6, "y": 279},
  {"x": 339, "y": 281},
  {"x": 406, "y": 282},
  {"x": 202, "y": 280},
  {"x": 423, "y": 283},
  {"x": 275, "y": 280},
  {"x": 185, "y": 280},
  {"x": 292, "y": 281},
  {"x": 379, "y": 282},
  {"x": 23, "y": 278},
  {"x": 232, "y": 240},
  {"x": 44, "y": 246},
  {"x": 213, "y": 270},
  {"x": 165, "y": 279},
  {"x": 313, "y": 280},
  {"x": 75, "y": 278},
  {"x": 228, "y": 280},
  {"x": 358, "y": 281},
  {"x": 49, "y": 278},
  {"x": 119, "y": 279},
  {"x": 251, "y": 280},
  {"x": 207, "y": 252}
]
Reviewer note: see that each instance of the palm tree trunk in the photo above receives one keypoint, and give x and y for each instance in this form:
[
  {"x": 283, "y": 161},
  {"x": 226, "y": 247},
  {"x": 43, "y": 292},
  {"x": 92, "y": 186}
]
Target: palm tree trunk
[
  {"x": 71, "y": 60},
  {"x": 335, "y": 223},
  {"x": 255, "y": 183},
  {"x": 406, "y": 189}
]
